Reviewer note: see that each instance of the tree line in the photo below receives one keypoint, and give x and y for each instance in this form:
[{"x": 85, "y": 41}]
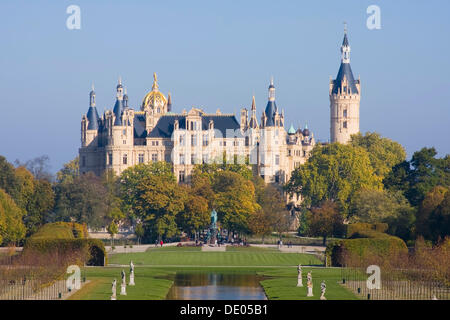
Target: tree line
[{"x": 369, "y": 180}]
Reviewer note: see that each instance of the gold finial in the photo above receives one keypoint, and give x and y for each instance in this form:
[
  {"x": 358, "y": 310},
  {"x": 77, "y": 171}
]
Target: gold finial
[{"x": 155, "y": 82}]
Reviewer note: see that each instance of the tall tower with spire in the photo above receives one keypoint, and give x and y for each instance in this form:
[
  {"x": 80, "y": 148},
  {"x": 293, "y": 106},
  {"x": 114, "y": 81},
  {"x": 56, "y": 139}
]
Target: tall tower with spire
[{"x": 345, "y": 94}]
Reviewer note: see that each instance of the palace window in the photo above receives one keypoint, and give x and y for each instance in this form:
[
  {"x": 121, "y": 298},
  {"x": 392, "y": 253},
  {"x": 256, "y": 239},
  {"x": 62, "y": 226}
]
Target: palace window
[
  {"x": 125, "y": 159},
  {"x": 182, "y": 139},
  {"x": 345, "y": 113},
  {"x": 345, "y": 124},
  {"x": 110, "y": 158},
  {"x": 141, "y": 158},
  {"x": 154, "y": 157},
  {"x": 193, "y": 140},
  {"x": 181, "y": 158},
  {"x": 181, "y": 176},
  {"x": 192, "y": 158},
  {"x": 277, "y": 160},
  {"x": 205, "y": 140},
  {"x": 247, "y": 139}
]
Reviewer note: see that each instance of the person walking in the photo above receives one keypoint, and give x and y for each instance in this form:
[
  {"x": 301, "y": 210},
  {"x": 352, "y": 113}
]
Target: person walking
[{"x": 161, "y": 243}]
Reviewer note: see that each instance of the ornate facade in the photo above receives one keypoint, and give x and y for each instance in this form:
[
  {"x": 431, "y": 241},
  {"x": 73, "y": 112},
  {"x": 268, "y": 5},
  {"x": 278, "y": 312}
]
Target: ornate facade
[{"x": 123, "y": 137}]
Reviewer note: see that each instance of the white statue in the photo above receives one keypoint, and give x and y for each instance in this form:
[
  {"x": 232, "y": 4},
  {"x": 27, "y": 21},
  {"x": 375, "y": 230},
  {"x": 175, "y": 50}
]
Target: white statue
[
  {"x": 114, "y": 286},
  {"x": 131, "y": 274},
  {"x": 309, "y": 285},
  {"x": 299, "y": 276},
  {"x": 123, "y": 286},
  {"x": 323, "y": 287}
]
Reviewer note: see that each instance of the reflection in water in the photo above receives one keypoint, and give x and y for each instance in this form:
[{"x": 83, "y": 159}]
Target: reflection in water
[{"x": 216, "y": 286}]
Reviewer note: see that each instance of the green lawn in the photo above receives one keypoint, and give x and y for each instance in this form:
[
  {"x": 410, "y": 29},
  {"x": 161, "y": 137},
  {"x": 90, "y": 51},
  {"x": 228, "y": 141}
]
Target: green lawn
[
  {"x": 153, "y": 280},
  {"x": 284, "y": 284},
  {"x": 149, "y": 285},
  {"x": 192, "y": 256}
]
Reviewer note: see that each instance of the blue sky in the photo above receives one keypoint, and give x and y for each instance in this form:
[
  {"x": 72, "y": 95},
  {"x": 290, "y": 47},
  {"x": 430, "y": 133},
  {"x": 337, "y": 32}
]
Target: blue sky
[{"x": 217, "y": 54}]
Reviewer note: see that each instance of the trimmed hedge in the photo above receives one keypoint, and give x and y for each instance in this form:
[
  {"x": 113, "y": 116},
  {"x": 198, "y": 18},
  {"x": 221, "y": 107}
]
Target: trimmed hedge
[
  {"x": 360, "y": 226},
  {"x": 87, "y": 251},
  {"x": 362, "y": 244},
  {"x": 61, "y": 230}
]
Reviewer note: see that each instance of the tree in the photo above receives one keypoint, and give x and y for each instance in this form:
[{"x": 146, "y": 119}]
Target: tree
[
  {"x": 132, "y": 177},
  {"x": 334, "y": 172},
  {"x": 235, "y": 200},
  {"x": 433, "y": 216},
  {"x": 8, "y": 179},
  {"x": 274, "y": 207},
  {"x": 12, "y": 228},
  {"x": 69, "y": 172},
  {"x": 139, "y": 231},
  {"x": 373, "y": 206},
  {"x": 383, "y": 152},
  {"x": 83, "y": 199},
  {"x": 113, "y": 229},
  {"x": 157, "y": 201},
  {"x": 325, "y": 221},
  {"x": 417, "y": 177},
  {"x": 196, "y": 214},
  {"x": 40, "y": 206},
  {"x": 39, "y": 167}
]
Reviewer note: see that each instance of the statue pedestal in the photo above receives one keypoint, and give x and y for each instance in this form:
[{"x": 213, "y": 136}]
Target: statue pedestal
[
  {"x": 322, "y": 297},
  {"x": 131, "y": 279},
  {"x": 113, "y": 298},
  {"x": 300, "y": 281},
  {"x": 123, "y": 289},
  {"x": 310, "y": 292}
]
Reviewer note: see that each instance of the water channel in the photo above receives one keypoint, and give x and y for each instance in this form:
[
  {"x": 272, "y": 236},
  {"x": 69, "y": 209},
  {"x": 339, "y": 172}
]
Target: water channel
[{"x": 216, "y": 286}]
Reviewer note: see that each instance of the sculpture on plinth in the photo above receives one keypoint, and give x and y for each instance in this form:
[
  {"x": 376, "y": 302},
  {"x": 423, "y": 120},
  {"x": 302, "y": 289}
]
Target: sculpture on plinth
[
  {"x": 299, "y": 276},
  {"x": 131, "y": 274},
  {"x": 114, "y": 286},
  {"x": 123, "y": 286},
  {"x": 323, "y": 287},
  {"x": 309, "y": 284}
]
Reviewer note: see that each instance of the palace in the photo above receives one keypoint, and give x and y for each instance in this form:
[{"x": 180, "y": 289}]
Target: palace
[{"x": 123, "y": 137}]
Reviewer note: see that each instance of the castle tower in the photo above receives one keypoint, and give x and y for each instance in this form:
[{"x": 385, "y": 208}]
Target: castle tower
[
  {"x": 344, "y": 99},
  {"x": 89, "y": 123}
]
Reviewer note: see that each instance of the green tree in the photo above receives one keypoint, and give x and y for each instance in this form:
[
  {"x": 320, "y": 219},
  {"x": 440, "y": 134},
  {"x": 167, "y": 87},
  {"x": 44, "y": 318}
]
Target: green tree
[
  {"x": 12, "y": 228},
  {"x": 8, "y": 179},
  {"x": 417, "y": 177},
  {"x": 383, "y": 152},
  {"x": 196, "y": 214},
  {"x": 325, "y": 221},
  {"x": 83, "y": 199},
  {"x": 433, "y": 215},
  {"x": 235, "y": 200},
  {"x": 113, "y": 229},
  {"x": 132, "y": 177},
  {"x": 157, "y": 202},
  {"x": 139, "y": 231},
  {"x": 69, "y": 172},
  {"x": 40, "y": 207},
  {"x": 333, "y": 172}
]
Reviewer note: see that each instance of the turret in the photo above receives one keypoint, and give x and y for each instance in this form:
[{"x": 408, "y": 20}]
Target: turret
[{"x": 344, "y": 99}]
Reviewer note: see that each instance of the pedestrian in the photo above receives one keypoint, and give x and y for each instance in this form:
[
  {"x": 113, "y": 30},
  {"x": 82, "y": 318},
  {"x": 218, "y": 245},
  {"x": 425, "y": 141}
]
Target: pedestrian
[
  {"x": 161, "y": 243},
  {"x": 156, "y": 242}
]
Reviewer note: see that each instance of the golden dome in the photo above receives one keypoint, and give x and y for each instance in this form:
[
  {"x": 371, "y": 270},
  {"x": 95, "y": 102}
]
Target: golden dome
[{"x": 154, "y": 98}]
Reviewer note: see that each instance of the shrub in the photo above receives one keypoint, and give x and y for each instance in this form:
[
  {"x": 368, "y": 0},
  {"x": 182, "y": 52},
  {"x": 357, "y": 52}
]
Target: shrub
[
  {"x": 365, "y": 247},
  {"x": 360, "y": 226},
  {"x": 78, "y": 251},
  {"x": 61, "y": 230}
]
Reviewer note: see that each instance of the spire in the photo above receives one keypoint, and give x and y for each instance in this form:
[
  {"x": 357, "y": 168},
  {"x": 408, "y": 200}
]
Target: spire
[
  {"x": 345, "y": 81},
  {"x": 253, "y": 121},
  {"x": 271, "y": 107},
  {"x": 291, "y": 129},
  {"x": 92, "y": 115},
  {"x": 345, "y": 48},
  {"x": 253, "y": 103},
  {"x": 155, "y": 82},
  {"x": 125, "y": 98},
  {"x": 119, "y": 89},
  {"x": 169, "y": 102},
  {"x": 92, "y": 97}
]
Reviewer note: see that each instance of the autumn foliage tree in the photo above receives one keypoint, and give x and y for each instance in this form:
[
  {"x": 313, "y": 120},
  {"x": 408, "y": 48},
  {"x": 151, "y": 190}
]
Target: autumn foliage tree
[{"x": 325, "y": 221}]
